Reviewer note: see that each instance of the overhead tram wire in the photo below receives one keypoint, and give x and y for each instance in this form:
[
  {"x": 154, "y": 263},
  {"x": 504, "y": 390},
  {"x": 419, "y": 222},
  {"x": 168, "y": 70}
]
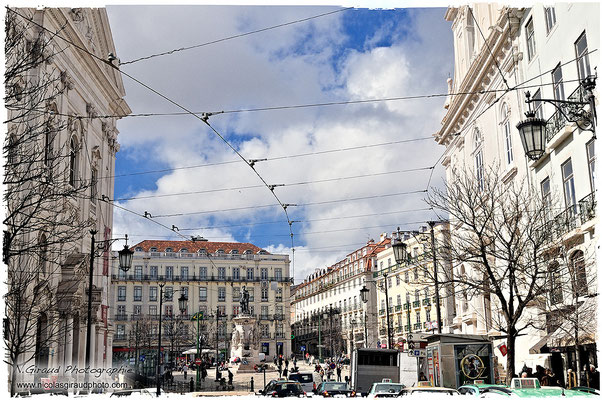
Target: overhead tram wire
[
  {"x": 283, "y": 184},
  {"x": 307, "y": 220},
  {"x": 235, "y": 36},
  {"x": 267, "y": 159},
  {"x": 298, "y": 205},
  {"x": 311, "y": 105},
  {"x": 204, "y": 118}
]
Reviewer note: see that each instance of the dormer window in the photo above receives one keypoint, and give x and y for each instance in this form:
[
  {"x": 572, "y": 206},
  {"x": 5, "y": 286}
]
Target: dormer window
[
  {"x": 220, "y": 251},
  {"x": 139, "y": 248},
  {"x": 262, "y": 252},
  {"x": 184, "y": 250},
  {"x": 153, "y": 249},
  {"x": 169, "y": 250},
  {"x": 234, "y": 251},
  {"x": 248, "y": 252}
]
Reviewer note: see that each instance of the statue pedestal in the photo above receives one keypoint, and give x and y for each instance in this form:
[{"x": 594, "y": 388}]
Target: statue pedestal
[{"x": 244, "y": 343}]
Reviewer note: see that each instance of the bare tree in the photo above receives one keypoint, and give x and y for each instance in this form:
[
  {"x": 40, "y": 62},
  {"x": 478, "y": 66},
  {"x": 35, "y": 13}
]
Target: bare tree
[
  {"x": 497, "y": 248},
  {"x": 42, "y": 192}
]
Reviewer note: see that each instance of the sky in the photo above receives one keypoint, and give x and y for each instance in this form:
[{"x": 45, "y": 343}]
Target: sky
[{"x": 345, "y": 167}]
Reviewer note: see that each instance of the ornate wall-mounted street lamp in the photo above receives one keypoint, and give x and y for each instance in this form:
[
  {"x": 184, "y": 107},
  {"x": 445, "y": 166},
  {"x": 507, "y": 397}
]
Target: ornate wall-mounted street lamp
[{"x": 533, "y": 130}]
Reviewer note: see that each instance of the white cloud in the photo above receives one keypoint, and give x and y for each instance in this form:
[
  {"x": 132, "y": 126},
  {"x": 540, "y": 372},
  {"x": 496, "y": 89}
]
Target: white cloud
[{"x": 269, "y": 69}]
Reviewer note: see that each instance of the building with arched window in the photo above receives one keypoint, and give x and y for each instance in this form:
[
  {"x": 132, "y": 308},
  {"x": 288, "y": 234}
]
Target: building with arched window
[
  {"x": 59, "y": 151},
  {"x": 544, "y": 50}
]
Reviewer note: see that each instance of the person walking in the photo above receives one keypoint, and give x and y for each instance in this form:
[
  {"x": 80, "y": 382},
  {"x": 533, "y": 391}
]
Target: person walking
[
  {"x": 285, "y": 372},
  {"x": 185, "y": 370},
  {"x": 230, "y": 377},
  {"x": 339, "y": 372}
]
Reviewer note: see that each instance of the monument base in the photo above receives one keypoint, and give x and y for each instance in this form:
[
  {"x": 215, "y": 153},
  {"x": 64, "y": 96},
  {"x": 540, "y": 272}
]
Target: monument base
[{"x": 244, "y": 344}]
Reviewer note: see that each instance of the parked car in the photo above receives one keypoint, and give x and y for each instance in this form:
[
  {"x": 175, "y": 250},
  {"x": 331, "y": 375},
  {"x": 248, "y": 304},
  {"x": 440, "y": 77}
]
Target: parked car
[
  {"x": 283, "y": 389},
  {"x": 385, "y": 389},
  {"x": 334, "y": 389},
  {"x": 475, "y": 389},
  {"x": 306, "y": 379},
  {"x": 530, "y": 387},
  {"x": 429, "y": 389}
]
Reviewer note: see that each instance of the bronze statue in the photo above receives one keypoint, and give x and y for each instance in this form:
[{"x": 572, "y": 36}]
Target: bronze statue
[{"x": 244, "y": 301}]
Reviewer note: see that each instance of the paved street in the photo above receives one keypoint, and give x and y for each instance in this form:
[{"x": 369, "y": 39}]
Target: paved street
[{"x": 241, "y": 381}]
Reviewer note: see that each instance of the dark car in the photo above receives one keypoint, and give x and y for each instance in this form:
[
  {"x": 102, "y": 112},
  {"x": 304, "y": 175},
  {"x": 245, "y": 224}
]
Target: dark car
[
  {"x": 283, "y": 389},
  {"x": 334, "y": 389}
]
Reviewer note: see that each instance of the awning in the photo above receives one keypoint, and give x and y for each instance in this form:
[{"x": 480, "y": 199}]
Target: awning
[
  {"x": 193, "y": 351},
  {"x": 564, "y": 335}
]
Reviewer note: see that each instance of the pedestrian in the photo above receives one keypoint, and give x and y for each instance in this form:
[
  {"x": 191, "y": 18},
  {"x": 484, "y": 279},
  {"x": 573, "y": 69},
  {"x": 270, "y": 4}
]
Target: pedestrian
[
  {"x": 185, "y": 370},
  {"x": 285, "y": 372},
  {"x": 286, "y": 363},
  {"x": 347, "y": 379},
  {"x": 230, "y": 377},
  {"x": 203, "y": 373},
  {"x": 191, "y": 385},
  {"x": 339, "y": 372},
  {"x": 594, "y": 377}
]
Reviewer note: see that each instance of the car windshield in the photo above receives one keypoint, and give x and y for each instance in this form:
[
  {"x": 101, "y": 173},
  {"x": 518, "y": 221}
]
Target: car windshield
[
  {"x": 303, "y": 378},
  {"x": 388, "y": 387},
  {"x": 335, "y": 386}
]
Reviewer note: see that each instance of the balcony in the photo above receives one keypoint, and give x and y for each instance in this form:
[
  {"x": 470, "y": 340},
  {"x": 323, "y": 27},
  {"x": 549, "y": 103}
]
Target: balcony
[
  {"x": 119, "y": 336},
  {"x": 417, "y": 326},
  {"x": 279, "y": 317},
  {"x": 381, "y": 312},
  {"x": 557, "y": 122},
  {"x": 416, "y": 303},
  {"x": 382, "y": 331},
  {"x": 398, "y": 307},
  {"x": 407, "y": 328},
  {"x": 399, "y": 329},
  {"x": 426, "y": 302},
  {"x": 566, "y": 221},
  {"x": 406, "y": 306},
  {"x": 587, "y": 208},
  {"x": 121, "y": 317},
  {"x": 265, "y": 317}
]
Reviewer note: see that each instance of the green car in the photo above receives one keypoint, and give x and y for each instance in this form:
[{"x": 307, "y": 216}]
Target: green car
[{"x": 529, "y": 387}]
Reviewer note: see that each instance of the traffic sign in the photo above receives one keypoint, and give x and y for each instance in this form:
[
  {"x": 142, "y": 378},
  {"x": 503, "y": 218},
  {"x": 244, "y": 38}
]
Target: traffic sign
[
  {"x": 417, "y": 353},
  {"x": 302, "y": 347}
]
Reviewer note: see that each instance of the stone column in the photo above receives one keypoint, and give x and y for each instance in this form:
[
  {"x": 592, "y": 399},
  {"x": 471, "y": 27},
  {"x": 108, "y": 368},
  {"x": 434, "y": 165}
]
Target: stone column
[{"x": 68, "y": 349}]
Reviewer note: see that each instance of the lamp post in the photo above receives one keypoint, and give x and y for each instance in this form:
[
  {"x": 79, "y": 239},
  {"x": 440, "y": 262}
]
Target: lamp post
[
  {"x": 182, "y": 305},
  {"x": 436, "y": 275},
  {"x": 125, "y": 263},
  {"x": 364, "y": 296},
  {"x": 381, "y": 288},
  {"x": 198, "y": 316},
  {"x": 533, "y": 130}
]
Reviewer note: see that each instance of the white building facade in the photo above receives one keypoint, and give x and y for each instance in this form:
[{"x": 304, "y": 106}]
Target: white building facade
[
  {"x": 211, "y": 275},
  {"x": 500, "y": 53},
  {"x": 85, "y": 150},
  {"x": 328, "y": 307}
]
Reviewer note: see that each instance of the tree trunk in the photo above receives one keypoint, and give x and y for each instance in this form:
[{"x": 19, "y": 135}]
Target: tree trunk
[
  {"x": 13, "y": 377},
  {"x": 510, "y": 356}
]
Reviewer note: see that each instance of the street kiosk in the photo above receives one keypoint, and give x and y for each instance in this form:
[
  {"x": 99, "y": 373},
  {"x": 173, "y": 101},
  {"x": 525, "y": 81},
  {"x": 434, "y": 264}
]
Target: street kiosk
[{"x": 454, "y": 359}]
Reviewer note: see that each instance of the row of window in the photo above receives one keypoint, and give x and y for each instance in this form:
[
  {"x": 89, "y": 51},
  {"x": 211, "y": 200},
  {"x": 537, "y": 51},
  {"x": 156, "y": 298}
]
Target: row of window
[
  {"x": 168, "y": 310},
  {"x": 568, "y": 180},
  {"x": 184, "y": 273},
  {"x": 201, "y": 251},
  {"x": 426, "y": 292},
  {"x": 153, "y": 293}
]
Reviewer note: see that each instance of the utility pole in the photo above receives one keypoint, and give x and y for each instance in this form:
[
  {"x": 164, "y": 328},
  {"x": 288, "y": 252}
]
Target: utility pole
[
  {"x": 159, "y": 363},
  {"x": 216, "y": 344},
  {"x": 319, "y": 336},
  {"x": 136, "y": 351},
  {"x": 89, "y": 321},
  {"x": 330, "y": 318},
  {"x": 389, "y": 338},
  {"x": 436, "y": 273}
]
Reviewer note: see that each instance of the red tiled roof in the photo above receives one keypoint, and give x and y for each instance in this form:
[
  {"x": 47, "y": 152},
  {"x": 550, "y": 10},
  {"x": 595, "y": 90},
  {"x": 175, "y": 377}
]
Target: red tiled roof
[{"x": 193, "y": 247}]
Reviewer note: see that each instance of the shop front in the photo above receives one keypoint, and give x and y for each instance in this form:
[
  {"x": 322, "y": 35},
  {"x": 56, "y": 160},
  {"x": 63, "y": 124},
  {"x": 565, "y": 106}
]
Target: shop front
[{"x": 453, "y": 360}]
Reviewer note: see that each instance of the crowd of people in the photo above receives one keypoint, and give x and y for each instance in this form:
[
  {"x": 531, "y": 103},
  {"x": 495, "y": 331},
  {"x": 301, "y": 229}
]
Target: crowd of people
[{"x": 590, "y": 377}]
